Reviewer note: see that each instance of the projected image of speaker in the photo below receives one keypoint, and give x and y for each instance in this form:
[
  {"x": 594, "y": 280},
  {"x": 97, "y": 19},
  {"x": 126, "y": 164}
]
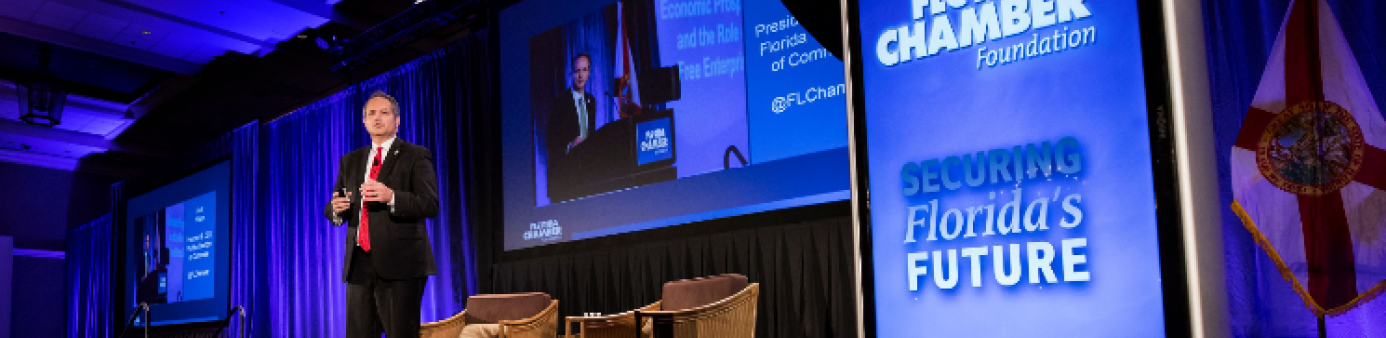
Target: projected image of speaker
[
  {"x": 598, "y": 110},
  {"x": 626, "y": 115},
  {"x": 154, "y": 266}
]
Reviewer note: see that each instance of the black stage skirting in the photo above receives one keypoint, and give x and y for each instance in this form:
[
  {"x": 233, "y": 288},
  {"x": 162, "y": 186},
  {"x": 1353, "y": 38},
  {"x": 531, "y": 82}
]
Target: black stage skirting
[{"x": 804, "y": 269}]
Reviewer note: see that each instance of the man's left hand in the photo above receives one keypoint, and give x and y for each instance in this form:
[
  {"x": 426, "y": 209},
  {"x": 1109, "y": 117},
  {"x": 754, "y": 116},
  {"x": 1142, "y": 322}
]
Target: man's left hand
[{"x": 374, "y": 191}]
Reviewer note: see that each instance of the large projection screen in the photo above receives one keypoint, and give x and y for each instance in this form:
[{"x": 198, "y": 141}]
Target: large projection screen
[
  {"x": 690, "y": 111},
  {"x": 177, "y": 249}
]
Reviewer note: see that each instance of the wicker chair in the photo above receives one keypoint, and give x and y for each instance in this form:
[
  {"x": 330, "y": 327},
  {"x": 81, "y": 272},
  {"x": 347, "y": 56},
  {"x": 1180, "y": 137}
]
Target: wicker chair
[
  {"x": 716, "y": 306},
  {"x": 522, "y": 315}
]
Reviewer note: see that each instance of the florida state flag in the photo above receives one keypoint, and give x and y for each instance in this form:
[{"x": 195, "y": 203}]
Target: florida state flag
[{"x": 1309, "y": 169}]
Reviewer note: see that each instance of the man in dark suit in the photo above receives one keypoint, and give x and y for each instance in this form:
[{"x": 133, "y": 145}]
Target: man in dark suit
[
  {"x": 574, "y": 115},
  {"x": 573, "y": 119},
  {"x": 390, "y": 190}
]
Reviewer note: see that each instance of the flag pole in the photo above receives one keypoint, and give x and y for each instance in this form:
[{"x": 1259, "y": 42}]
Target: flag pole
[{"x": 1323, "y": 329}]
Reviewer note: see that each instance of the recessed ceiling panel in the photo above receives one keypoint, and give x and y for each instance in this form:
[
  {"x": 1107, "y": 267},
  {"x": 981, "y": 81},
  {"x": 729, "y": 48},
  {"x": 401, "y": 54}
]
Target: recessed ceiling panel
[
  {"x": 101, "y": 27},
  {"x": 59, "y": 16},
  {"x": 177, "y": 45},
  {"x": 263, "y": 20},
  {"x": 20, "y": 9},
  {"x": 140, "y": 36}
]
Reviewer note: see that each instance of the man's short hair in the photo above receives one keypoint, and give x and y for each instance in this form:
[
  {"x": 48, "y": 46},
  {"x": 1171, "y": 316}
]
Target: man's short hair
[
  {"x": 580, "y": 56},
  {"x": 394, "y": 104}
]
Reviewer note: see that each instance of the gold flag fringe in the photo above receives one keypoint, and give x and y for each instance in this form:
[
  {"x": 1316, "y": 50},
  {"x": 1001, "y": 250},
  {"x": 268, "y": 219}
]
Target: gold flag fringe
[{"x": 1250, "y": 225}]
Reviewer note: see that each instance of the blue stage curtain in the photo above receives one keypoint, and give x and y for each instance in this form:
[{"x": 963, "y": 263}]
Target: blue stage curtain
[
  {"x": 1240, "y": 35},
  {"x": 90, "y": 259},
  {"x": 248, "y": 264},
  {"x": 438, "y": 95},
  {"x": 304, "y": 266}
]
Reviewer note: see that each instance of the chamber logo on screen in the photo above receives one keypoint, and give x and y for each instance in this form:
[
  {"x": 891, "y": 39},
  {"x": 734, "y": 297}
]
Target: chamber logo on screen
[
  {"x": 654, "y": 141},
  {"x": 1034, "y": 189},
  {"x": 960, "y": 24},
  {"x": 544, "y": 231}
]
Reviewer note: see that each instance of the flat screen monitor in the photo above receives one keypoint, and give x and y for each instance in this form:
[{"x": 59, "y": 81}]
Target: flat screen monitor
[{"x": 1015, "y": 162}]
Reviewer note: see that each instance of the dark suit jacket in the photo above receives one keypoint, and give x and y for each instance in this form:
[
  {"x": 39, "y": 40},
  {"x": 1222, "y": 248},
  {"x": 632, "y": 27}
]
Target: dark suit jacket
[
  {"x": 399, "y": 240},
  {"x": 563, "y": 123}
]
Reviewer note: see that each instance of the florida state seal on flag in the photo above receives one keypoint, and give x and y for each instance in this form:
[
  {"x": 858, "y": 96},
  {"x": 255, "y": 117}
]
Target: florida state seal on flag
[{"x": 1309, "y": 169}]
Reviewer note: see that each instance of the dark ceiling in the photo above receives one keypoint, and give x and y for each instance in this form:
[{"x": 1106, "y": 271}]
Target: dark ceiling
[
  {"x": 84, "y": 72},
  {"x": 176, "y": 112},
  {"x": 236, "y": 89}
]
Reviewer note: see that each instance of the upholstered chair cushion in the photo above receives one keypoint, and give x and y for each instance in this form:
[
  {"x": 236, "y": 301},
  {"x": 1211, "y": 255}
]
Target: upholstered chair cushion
[
  {"x": 690, "y": 293},
  {"x": 491, "y": 309}
]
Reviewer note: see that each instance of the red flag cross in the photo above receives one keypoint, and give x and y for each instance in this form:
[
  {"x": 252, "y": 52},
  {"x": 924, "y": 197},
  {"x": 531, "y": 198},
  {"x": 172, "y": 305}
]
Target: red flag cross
[{"x": 1313, "y": 149}]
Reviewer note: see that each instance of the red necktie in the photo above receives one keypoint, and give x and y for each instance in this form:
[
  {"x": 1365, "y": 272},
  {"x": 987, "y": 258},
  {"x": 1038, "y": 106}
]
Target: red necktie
[{"x": 364, "y": 237}]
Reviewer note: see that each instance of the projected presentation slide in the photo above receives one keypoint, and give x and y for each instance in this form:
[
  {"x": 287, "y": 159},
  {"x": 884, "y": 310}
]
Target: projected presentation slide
[
  {"x": 177, "y": 246},
  {"x": 636, "y": 114},
  {"x": 176, "y": 255},
  {"x": 1012, "y": 186}
]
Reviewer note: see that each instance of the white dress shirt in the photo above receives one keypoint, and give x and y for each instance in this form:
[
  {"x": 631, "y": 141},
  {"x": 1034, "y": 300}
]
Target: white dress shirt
[{"x": 370, "y": 157}]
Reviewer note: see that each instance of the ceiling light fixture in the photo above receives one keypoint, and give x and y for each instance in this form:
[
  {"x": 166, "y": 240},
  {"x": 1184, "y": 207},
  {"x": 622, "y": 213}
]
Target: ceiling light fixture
[{"x": 41, "y": 97}]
